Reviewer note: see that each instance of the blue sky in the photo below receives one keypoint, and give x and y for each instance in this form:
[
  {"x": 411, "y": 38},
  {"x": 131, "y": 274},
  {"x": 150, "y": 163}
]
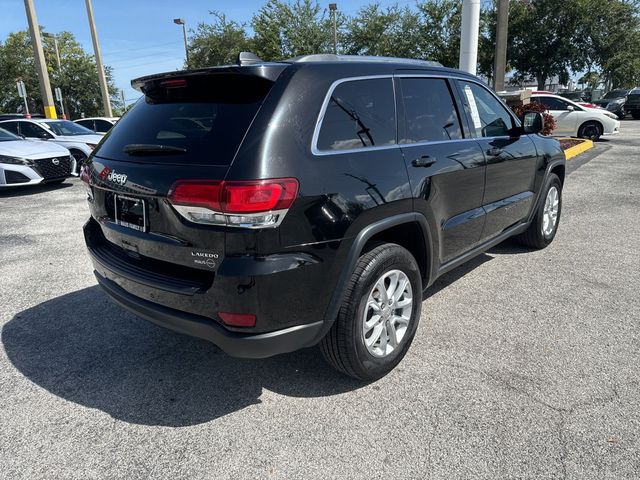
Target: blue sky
[{"x": 137, "y": 37}]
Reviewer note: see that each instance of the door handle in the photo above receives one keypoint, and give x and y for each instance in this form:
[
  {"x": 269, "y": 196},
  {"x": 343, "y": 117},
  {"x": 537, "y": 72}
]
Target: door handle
[
  {"x": 494, "y": 151},
  {"x": 423, "y": 161}
]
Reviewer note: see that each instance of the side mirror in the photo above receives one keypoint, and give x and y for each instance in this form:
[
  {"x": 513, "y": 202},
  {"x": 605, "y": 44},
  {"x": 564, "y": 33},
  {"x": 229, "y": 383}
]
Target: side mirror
[
  {"x": 532, "y": 122},
  {"x": 571, "y": 108}
]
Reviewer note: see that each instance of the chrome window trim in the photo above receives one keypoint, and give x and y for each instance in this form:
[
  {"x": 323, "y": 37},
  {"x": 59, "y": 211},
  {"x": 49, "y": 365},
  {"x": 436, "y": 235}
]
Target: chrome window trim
[
  {"x": 323, "y": 110},
  {"x": 316, "y": 132}
]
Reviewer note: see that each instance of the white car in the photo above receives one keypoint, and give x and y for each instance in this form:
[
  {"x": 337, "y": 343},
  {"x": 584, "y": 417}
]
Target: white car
[
  {"x": 98, "y": 124},
  {"x": 573, "y": 120},
  {"x": 79, "y": 140},
  {"x": 27, "y": 162}
]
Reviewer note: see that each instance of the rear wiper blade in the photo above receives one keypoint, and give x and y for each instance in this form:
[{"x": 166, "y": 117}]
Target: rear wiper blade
[{"x": 152, "y": 149}]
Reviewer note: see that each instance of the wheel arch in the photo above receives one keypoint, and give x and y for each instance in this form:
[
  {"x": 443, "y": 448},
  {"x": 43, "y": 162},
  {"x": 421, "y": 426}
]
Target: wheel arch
[
  {"x": 559, "y": 169},
  {"x": 390, "y": 229},
  {"x": 592, "y": 120}
]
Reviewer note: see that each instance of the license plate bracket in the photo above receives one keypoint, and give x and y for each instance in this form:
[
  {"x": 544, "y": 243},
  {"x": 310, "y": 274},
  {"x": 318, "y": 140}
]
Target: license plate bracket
[{"x": 131, "y": 212}]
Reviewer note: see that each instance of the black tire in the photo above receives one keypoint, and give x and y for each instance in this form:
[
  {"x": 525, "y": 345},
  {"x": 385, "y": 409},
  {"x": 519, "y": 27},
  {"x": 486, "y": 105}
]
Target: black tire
[
  {"x": 590, "y": 131},
  {"x": 344, "y": 345},
  {"x": 80, "y": 158},
  {"x": 635, "y": 114},
  {"x": 534, "y": 236}
]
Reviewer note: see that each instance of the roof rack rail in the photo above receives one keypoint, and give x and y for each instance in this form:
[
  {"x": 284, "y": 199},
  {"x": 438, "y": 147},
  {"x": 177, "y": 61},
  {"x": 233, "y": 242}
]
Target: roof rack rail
[{"x": 330, "y": 57}]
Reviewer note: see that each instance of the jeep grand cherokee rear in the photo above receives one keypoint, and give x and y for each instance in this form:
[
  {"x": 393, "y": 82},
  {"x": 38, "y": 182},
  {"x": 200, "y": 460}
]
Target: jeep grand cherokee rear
[{"x": 268, "y": 207}]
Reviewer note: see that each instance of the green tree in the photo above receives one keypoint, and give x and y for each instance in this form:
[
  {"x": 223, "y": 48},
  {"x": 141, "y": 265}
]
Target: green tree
[
  {"x": 544, "y": 38},
  {"x": 289, "y": 29},
  {"x": 217, "y": 43},
  {"x": 439, "y": 31},
  {"x": 267, "y": 26},
  {"x": 609, "y": 34},
  {"x": 590, "y": 79},
  {"x": 391, "y": 32},
  {"x": 77, "y": 78}
]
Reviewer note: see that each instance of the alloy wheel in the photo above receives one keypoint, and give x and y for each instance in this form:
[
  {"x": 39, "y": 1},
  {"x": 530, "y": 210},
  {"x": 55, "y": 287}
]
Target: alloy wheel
[
  {"x": 387, "y": 313},
  {"x": 550, "y": 212}
]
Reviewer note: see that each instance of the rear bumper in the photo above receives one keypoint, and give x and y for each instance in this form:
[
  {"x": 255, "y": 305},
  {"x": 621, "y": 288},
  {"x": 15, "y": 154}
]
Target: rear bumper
[{"x": 235, "y": 344}]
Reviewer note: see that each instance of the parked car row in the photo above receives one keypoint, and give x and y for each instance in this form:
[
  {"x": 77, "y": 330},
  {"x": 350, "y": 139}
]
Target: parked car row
[
  {"x": 28, "y": 162},
  {"x": 41, "y": 150},
  {"x": 620, "y": 102},
  {"x": 96, "y": 124},
  {"x": 80, "y": 141}
]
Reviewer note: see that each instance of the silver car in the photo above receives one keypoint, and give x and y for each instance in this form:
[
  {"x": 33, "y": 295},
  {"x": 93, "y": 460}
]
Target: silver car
[{"x": 28, "y": 162}]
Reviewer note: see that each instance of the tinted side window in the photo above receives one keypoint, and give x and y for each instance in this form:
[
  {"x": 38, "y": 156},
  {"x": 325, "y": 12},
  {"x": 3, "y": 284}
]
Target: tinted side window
[
  {"x": 430, "y": 113},
  {"x": 489, "y": 118},
  {"x": 10, "y": 126},
  {"x": 30, "y": 130},
  {"x": 86, "y": 123},
  {"x": 551, "y": 103},
  {"x": 102, "y": 126},
  {"x": 360, "y": 113}
]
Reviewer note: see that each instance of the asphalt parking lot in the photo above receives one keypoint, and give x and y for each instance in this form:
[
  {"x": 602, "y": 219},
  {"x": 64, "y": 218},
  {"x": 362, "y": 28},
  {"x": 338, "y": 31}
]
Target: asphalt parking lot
[{"x": 525, "y": 365}]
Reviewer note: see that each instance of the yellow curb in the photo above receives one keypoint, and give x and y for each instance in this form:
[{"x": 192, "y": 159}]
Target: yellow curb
[{"x": 577, "y": 149}]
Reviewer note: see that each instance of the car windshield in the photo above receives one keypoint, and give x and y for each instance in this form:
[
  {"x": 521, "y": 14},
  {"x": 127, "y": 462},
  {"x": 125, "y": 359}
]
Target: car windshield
[
  {"x": 7, "y": 136},
  {"x": 615, "y": 94},
  {"x": 65, "y": 127}
]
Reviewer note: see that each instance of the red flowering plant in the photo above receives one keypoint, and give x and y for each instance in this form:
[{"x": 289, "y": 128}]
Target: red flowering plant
[{"x": 549, "y": 122}]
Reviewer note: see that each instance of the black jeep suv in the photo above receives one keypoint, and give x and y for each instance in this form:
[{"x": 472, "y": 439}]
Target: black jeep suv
[{"x": 268, "y": 207}]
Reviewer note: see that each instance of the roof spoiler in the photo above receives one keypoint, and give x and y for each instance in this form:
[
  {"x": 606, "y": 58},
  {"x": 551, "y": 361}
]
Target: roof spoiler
[{"x": 248, "y": 64}]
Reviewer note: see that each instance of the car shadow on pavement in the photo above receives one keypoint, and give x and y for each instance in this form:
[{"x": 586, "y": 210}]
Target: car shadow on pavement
[
  {"x": 450, "y": 277},
  {"x": 33, "y": 189},
  {"x": 85, "y": 349},
  {"x": 509, "y": 247}
]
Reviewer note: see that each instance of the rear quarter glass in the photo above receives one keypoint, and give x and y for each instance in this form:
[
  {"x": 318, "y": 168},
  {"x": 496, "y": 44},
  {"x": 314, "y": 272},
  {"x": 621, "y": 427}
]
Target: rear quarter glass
[{"x": 207, "y": 116}]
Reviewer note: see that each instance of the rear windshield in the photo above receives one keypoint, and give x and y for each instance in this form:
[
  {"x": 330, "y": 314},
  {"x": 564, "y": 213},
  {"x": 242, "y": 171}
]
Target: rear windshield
[{"x": 194, "y": 120}]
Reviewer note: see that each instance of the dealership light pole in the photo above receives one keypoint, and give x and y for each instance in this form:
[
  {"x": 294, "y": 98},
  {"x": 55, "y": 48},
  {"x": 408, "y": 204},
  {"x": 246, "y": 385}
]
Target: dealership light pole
[
  {"x": 41, "y": 65},
  {"x": 55, "y": 47},
  {"x": 180, "y": 21},
  {"x": 333, "y": 8},
  {"x": 102, "y": 78},
  {"x": 469, "y": 36},
  {"x": 502, "y": 25}
]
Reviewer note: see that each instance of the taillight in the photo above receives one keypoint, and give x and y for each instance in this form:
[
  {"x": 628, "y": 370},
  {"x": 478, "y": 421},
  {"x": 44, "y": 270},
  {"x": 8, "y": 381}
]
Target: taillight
[
  {"x": 84, "y": 176},
  {"x": 251, "y": 204}
]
